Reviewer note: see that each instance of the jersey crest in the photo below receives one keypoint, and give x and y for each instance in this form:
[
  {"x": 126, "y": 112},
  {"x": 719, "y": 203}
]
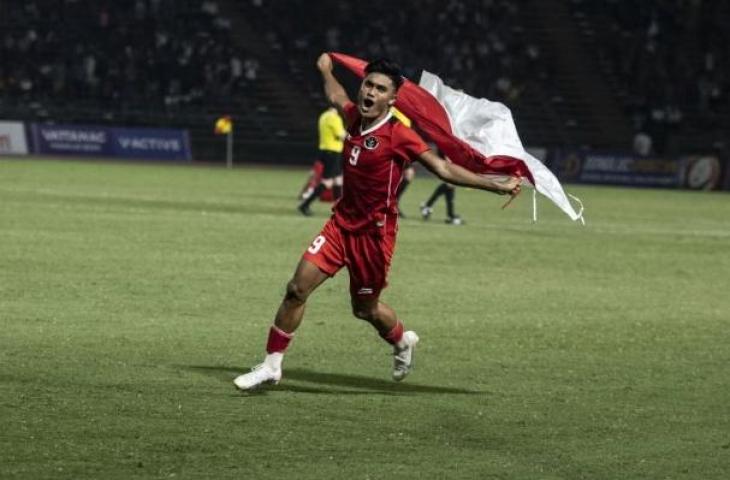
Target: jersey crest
[{"x": 371, "y": 143}]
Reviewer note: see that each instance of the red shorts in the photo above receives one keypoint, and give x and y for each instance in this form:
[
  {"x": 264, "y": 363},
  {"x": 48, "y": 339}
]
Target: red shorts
[{"x": 366, "y": 255}]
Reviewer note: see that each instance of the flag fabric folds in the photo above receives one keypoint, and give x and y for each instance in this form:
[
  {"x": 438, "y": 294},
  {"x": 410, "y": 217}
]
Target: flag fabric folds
[{"x": 475, "y": 133}]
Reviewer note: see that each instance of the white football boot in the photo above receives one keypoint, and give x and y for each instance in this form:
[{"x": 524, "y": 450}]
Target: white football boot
[
  {"x": 426, "y": 211},
  {"x": 261, "y": 374},
  {"x": 403, "y": 355},
  {"x": 455, "y": 220}
]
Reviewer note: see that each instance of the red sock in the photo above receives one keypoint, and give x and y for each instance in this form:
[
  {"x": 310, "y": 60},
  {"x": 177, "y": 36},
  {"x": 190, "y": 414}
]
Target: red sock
[
  {"x": 394, "y": 335},
  {"x": 278, "y": 340}
]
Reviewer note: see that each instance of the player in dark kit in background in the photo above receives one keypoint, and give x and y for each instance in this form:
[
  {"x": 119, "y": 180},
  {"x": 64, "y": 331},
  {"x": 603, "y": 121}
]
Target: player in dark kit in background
[
  {"x": 448, "y": 192},
  {"x": 361, "y": 233}
]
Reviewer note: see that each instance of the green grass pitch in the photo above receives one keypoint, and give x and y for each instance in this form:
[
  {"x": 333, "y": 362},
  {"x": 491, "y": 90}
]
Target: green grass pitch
[{"x": 131, "y": 295}]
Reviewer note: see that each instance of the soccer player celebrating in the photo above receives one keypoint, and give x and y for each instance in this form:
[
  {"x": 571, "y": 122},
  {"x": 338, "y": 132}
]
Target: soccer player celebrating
[{"x": 361, "y": 233}]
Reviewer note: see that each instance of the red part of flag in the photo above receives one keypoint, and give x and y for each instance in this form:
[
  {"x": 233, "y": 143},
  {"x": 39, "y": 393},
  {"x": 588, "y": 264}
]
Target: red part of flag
[{"x": 432, "y": 120}]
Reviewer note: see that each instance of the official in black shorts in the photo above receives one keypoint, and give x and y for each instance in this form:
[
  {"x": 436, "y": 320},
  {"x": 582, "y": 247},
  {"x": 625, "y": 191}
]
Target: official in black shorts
[
  {"x": 331, "y": 137},
  {"x": 332, "y": 162}
]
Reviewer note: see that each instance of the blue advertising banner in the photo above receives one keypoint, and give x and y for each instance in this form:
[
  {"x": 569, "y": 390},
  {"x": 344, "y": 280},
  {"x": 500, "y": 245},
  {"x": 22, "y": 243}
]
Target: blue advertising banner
[
  {"x": 71, "y": 140},
  {"x": 619, "y": 169},
  {"x": 153, "y": 143},
  {"x": 141, "y": 143}
]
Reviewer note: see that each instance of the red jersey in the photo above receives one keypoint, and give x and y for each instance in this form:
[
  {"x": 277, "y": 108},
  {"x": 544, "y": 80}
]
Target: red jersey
[{"x": 373, "y": 163}]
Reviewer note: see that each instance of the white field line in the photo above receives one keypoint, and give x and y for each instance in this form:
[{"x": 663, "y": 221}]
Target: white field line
[{"x": 721, "y": 231}]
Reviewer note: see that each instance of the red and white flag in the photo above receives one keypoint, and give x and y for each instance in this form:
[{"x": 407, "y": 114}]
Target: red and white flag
[{"x": 475, "y": 133}]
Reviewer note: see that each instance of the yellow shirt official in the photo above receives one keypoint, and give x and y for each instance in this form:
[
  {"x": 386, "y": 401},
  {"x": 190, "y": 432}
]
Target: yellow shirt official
[{"x": 331, "y": 131}]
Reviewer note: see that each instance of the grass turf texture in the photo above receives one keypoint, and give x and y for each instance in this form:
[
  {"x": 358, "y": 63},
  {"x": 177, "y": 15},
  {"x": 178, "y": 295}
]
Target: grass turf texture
[{"x": 131, "y": 296}]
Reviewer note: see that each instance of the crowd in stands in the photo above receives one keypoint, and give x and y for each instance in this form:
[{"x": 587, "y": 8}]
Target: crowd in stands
[
  {"x": 475, "y": 45},
  {"x": 669, "y": 58},
  {"x": 119, "y": 54}
]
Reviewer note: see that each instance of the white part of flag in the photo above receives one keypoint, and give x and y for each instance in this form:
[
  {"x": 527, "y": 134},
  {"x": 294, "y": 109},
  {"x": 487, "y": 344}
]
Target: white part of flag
[{"x": 488, "y": 128}]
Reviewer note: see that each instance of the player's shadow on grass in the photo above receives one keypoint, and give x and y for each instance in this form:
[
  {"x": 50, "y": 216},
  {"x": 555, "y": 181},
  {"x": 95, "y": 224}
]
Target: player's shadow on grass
[{"x": 334, "y": 383}]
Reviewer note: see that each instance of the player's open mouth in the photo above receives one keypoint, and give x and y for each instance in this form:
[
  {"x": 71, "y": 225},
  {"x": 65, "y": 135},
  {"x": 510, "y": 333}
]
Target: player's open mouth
[{"x": 366, "y": 104}]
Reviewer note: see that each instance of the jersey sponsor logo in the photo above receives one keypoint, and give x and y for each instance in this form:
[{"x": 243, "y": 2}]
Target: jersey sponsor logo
[
  {"x": 365, "y": 291},
  {"x": 371, "y": 143}
]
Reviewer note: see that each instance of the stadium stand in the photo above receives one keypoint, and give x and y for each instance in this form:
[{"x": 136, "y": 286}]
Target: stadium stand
[
  {"x": 136, "y": 62},
  {"x": 667, "y": 63},
  {"x": 479, "y": 46},
  {"x": 574, "y": 72}
]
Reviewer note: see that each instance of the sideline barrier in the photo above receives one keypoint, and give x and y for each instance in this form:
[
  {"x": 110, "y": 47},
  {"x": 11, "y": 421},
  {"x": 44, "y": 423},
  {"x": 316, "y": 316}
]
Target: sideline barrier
[
  {"x": 695, "y": 172},
  {"x": 136, "y": 143},
  {"x": 12, "y": 138}
]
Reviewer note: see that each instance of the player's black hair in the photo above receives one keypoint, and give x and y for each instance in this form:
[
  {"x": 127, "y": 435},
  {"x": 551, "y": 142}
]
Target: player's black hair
[{"x": 388, "y": 68}]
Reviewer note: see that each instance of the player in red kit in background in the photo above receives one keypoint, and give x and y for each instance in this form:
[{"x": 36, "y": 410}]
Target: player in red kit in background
[{"x": 362, "y": 231}]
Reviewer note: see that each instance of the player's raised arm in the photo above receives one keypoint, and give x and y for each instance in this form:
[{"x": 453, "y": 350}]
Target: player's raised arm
[
  {"x": 333, "y": 90},
  {"x": 456, "y": 175}
]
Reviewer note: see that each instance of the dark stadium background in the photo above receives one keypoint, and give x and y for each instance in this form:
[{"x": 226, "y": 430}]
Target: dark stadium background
[
  {"x": 577, "y": 73},
  {"x": 139, "y": 276}
]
